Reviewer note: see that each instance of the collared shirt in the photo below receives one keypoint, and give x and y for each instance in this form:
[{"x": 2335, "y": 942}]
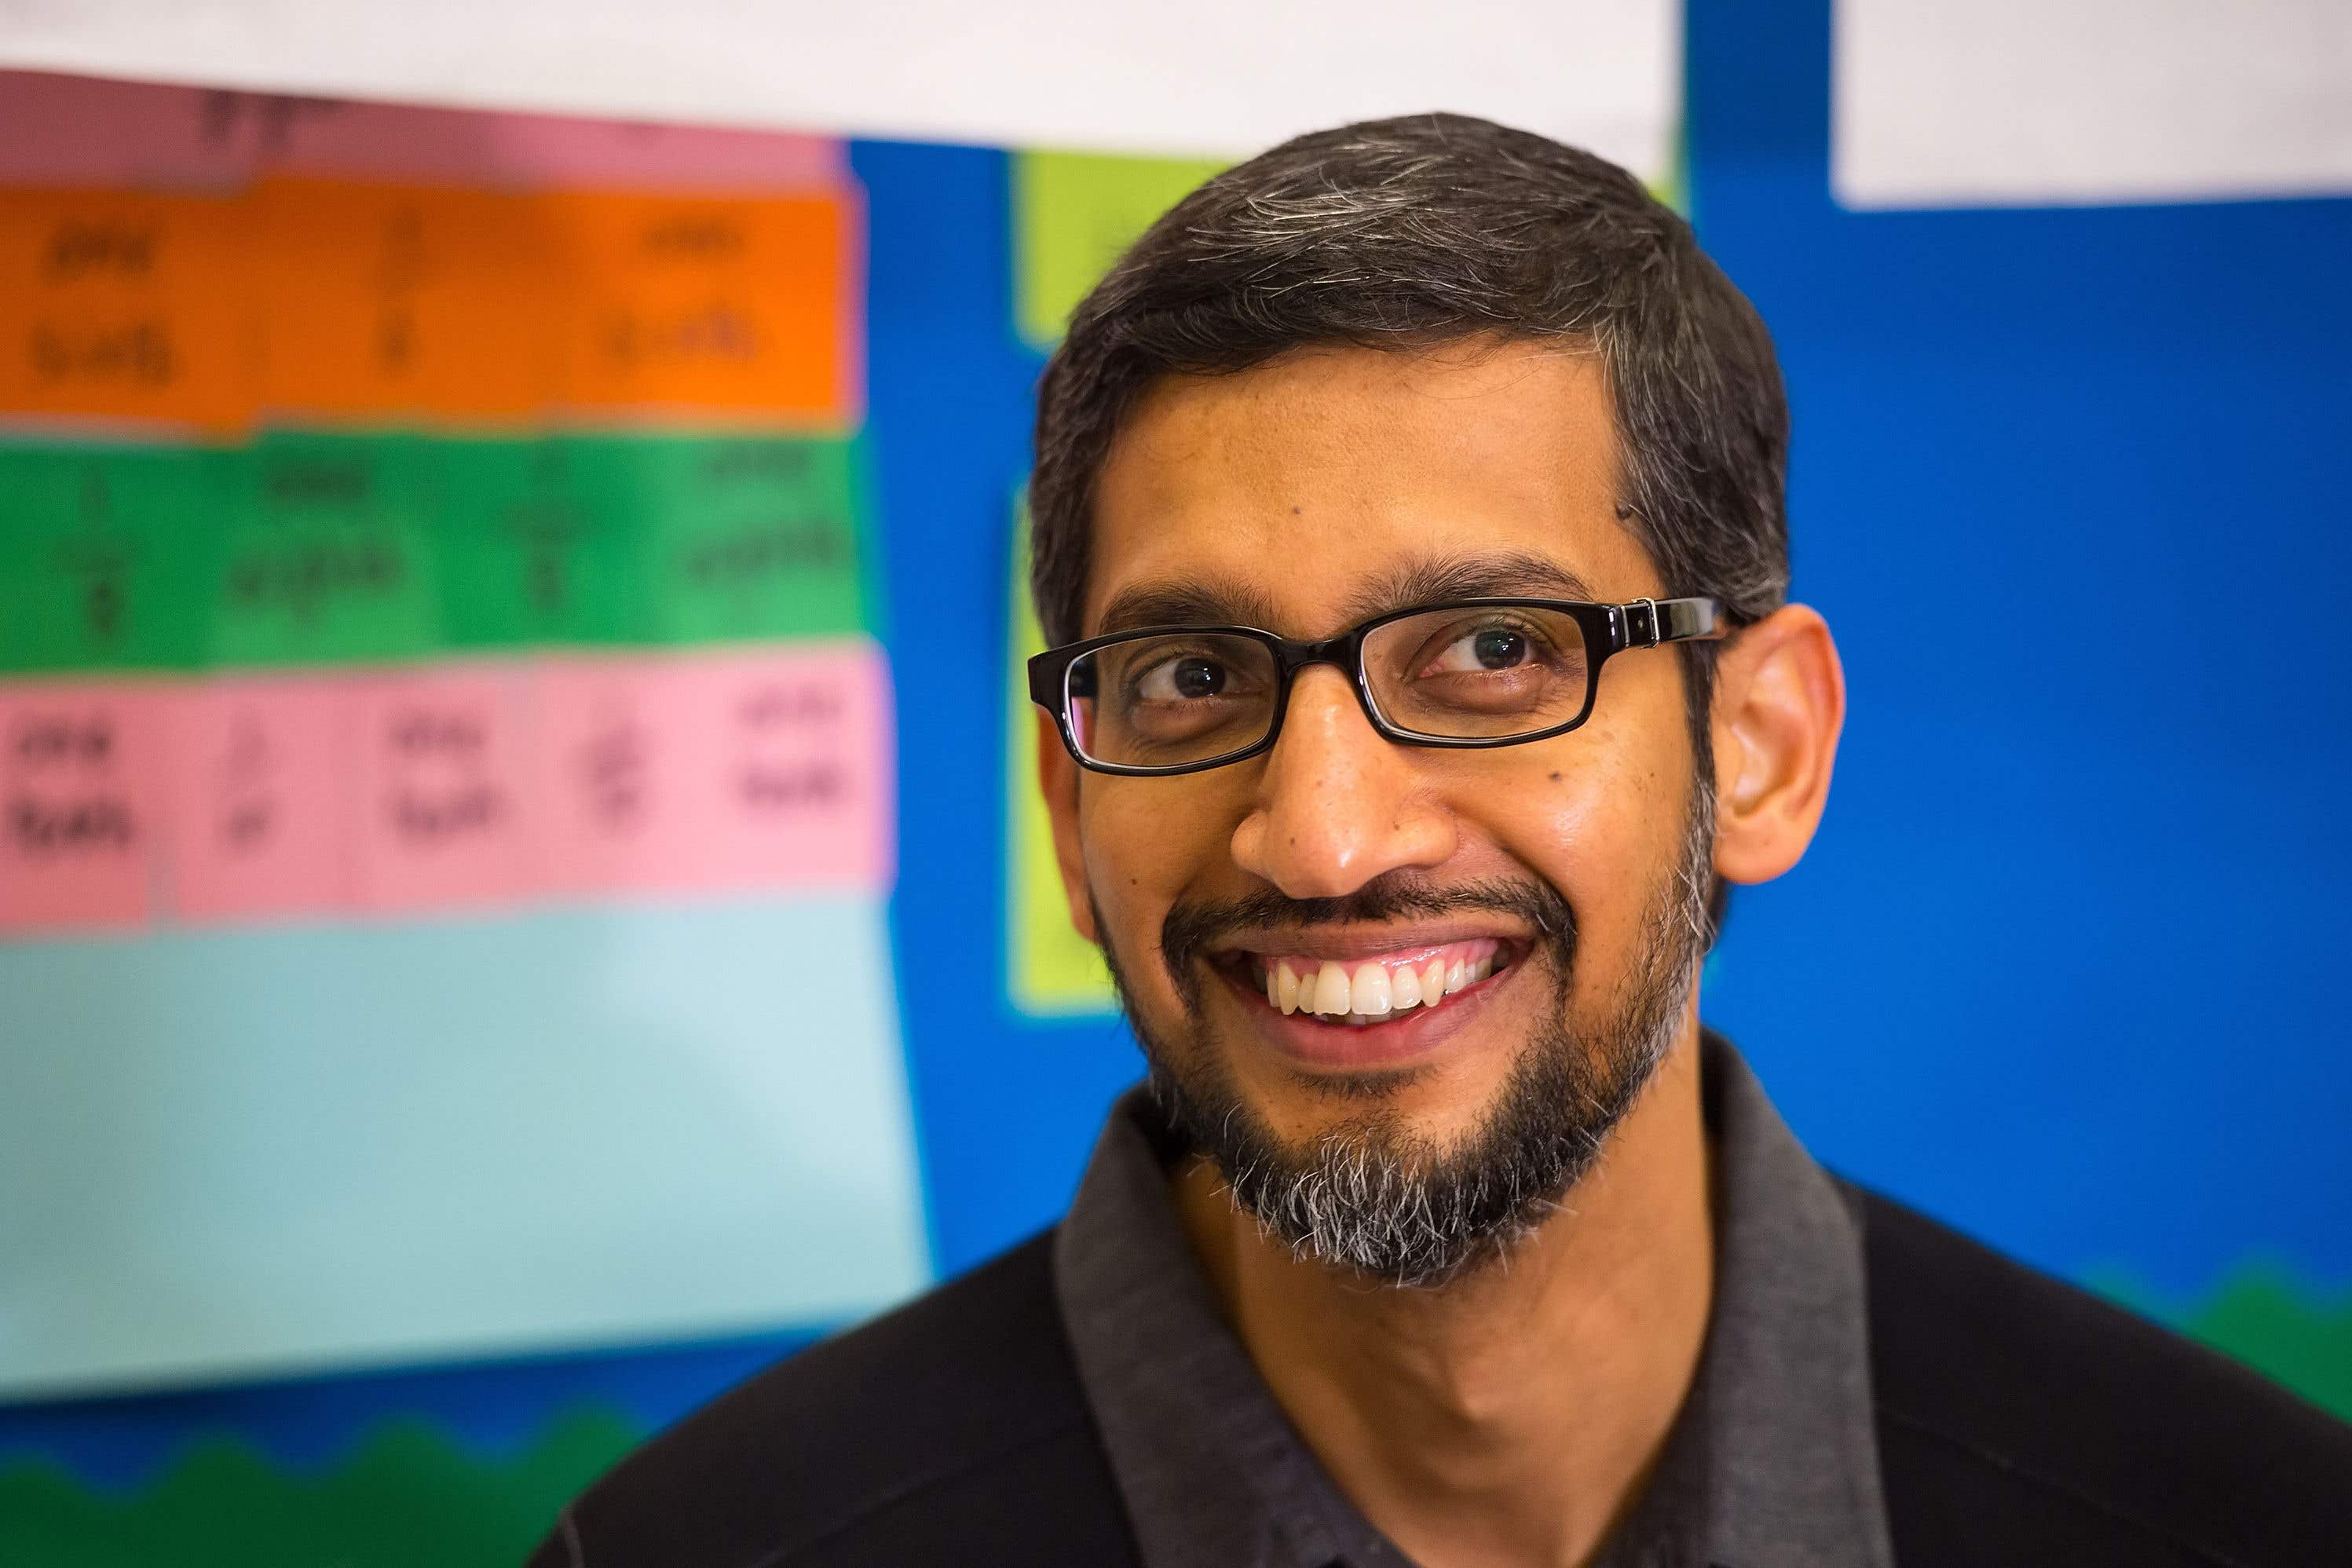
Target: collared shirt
[{"x": 1772, "y": 1461}]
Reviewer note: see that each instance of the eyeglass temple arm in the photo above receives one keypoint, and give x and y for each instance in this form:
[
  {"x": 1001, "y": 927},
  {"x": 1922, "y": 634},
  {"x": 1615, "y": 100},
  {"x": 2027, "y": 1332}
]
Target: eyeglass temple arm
[{"x": 1650, "y": 622}]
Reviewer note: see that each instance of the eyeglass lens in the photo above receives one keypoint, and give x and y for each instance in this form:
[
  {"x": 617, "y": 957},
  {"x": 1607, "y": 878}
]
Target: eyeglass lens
[{"x": 1485, "y": 673}]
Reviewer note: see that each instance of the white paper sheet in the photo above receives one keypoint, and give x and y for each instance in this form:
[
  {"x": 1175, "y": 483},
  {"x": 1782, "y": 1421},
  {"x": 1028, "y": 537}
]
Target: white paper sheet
[{"x": 2039, "y": 102}]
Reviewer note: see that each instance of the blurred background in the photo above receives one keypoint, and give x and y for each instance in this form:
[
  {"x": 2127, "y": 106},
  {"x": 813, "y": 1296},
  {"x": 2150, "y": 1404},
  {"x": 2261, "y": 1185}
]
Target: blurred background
[{"x": 519, "y": 900}]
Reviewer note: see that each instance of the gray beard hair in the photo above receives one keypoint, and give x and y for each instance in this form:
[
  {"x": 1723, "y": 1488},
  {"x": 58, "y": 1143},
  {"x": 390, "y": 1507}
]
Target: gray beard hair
[{"x": 1372, "y": 1197}]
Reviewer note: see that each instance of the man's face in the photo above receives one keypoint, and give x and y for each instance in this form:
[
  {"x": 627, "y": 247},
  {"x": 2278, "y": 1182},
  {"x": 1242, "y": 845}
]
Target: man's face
[{"x": 1303, "y": 496}]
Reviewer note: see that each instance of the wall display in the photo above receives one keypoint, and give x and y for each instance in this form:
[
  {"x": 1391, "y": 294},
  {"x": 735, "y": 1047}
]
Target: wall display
[
  {"x": 521, "y": 892},
  {"x": 445, "y": 762}
]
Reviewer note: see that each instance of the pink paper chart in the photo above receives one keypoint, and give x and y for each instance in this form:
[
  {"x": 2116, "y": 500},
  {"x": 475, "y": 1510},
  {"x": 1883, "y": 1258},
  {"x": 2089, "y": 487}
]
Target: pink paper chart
[
  {"x": 445, "y": 819},
  {"x": 260, "y": 825},
  {"x": 444, "y": 788},
  {"x": 80, "y": 820}
]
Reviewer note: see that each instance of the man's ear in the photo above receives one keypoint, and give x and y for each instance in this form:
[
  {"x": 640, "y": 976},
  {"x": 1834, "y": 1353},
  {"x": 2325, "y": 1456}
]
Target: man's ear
[
  {"x": 1780, "y": 702},
  {"x": 1057, "y": 776}
]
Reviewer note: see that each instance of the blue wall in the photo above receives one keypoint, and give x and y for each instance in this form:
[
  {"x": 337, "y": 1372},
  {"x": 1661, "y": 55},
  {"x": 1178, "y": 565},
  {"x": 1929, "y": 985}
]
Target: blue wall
[
  {"x": 1005, "y": 1107},
  {"x": 2073, "y": 487}
]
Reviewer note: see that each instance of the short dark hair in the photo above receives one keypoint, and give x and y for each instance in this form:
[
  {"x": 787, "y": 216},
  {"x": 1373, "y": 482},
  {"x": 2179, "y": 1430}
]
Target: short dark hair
[{"x": 1400, "y": 233}]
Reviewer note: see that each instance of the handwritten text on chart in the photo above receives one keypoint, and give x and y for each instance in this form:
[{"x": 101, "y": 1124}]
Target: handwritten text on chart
[
  {"x": 306, "y": 549},
  {"x": 123, "y": 803},
  {"x": 310, "y": 297}
]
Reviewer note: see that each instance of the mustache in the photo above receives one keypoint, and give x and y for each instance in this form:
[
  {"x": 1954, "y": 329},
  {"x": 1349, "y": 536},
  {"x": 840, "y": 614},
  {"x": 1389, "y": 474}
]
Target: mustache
[{"x": 1189, "y": 929}]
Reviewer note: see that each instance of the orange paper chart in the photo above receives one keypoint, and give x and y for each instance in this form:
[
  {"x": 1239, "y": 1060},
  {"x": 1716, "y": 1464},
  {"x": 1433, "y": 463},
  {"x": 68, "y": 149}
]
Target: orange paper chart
[
  {"x": 120, "y": 304},
  {"x": 402, "y": 301},
  {"x": 708, "y": 303}
]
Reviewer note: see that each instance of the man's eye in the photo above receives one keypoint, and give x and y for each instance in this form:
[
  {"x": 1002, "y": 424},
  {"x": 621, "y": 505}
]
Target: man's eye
[
  {"x": 1489, "y": 648},
  {"x": 1185, "y": 679}
]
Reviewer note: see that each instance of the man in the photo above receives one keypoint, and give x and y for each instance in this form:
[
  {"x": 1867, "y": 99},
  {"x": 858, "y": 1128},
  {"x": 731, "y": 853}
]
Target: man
[{"x": 1409, "y": 523}]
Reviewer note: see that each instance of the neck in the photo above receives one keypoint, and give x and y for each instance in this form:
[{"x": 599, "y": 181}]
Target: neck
[{"x": 1515, "y": 1415}]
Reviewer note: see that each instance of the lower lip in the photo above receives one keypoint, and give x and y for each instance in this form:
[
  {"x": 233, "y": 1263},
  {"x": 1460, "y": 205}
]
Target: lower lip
[{"x": 1402, "y": 1042}]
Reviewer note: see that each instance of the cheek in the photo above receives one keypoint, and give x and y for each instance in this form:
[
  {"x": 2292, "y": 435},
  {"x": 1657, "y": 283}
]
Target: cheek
[
  {"x": 1146, "y": 840},
  {"x": 1602, "y": 824}
]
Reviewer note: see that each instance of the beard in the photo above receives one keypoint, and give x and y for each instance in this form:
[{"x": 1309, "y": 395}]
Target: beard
[{"x": 1371, "y": 1196}]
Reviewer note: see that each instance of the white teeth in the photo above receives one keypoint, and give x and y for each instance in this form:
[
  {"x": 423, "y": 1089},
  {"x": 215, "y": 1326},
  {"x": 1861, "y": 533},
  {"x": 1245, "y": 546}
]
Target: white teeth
[
  {"x": 1331, "y": 990},
  {"x": 1367, "y": 992}
]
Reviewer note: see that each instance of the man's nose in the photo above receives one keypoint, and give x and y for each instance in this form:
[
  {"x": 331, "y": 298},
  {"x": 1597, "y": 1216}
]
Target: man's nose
[{"x": 1337, "y": 804}]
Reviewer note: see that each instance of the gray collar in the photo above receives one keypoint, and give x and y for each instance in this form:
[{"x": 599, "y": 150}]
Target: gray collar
[{"x": 1772, "y": 1461}]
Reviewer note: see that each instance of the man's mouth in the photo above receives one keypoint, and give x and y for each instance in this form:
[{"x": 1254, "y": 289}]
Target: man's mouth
[{"x": 1362, "y": 990}]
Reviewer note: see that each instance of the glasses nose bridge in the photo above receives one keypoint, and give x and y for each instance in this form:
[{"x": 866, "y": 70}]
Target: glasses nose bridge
[
  {"x": 1297, "y": 653},
  {"x": 1343, "y": 652}
]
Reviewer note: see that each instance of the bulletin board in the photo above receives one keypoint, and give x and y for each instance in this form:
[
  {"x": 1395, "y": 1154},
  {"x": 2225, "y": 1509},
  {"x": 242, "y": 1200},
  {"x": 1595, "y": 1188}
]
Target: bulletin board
[
  {"x": 446, "y": 756},
  {"x": 559, "y": 913}
]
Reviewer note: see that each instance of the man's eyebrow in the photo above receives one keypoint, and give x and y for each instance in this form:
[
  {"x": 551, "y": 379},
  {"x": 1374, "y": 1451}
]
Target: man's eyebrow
[
  {"x": 1201, "y": 603},
  {"x": 1498, "y": 575},
  {"x": 1502, "y": 574}
]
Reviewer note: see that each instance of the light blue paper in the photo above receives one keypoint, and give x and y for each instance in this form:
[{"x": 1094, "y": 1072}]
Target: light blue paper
[{"x": 252, "y": 1151}]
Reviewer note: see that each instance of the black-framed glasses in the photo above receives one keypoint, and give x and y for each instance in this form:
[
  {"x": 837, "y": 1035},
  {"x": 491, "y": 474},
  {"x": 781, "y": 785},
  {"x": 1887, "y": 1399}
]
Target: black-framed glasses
[{"x": 1467, "y": 673}]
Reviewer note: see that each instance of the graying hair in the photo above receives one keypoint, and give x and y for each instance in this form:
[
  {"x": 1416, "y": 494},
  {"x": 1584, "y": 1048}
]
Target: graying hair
[{"x": 1408, "y": 233}]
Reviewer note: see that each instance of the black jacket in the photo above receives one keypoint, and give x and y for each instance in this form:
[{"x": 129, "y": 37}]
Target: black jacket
[{"x": 2019, "y": 1421}]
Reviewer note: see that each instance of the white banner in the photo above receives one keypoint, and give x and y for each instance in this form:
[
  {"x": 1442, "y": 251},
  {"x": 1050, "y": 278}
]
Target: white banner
[{"x": 1210, "y": 77}]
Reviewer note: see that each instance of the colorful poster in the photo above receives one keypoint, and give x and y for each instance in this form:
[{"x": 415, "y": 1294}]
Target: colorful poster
[{"x": 439, "y": 732}]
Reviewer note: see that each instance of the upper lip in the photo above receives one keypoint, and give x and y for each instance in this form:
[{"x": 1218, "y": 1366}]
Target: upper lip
[{"x": 1362, "y": 941}]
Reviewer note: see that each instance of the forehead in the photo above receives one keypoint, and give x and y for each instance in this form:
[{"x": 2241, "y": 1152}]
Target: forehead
[{"x": 1304, "y": 493}]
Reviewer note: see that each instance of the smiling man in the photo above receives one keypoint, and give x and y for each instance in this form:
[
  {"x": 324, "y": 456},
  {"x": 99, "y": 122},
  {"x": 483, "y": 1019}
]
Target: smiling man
[{"x": 1408, "y": 518}]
